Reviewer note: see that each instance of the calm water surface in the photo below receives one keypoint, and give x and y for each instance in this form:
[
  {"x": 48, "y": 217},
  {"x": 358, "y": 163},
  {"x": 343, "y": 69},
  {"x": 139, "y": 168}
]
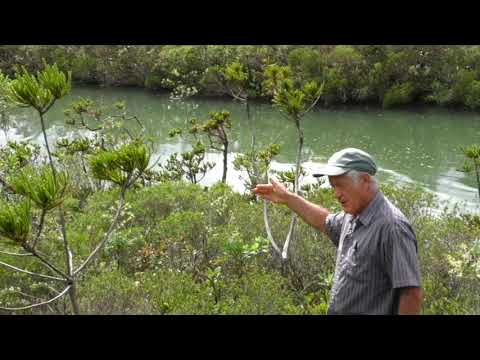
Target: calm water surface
[{"x": 418, "y": 145}]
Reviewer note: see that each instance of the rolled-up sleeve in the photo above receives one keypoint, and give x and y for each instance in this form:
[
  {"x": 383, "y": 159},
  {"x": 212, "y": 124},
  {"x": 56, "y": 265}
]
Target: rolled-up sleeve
[
  {"x": 400, "y": 255},
  {"x": 333, "y": 226}
]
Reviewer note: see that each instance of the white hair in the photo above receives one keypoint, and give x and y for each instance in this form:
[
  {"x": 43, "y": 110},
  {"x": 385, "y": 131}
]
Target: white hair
[{"x": 355, "y": 175}]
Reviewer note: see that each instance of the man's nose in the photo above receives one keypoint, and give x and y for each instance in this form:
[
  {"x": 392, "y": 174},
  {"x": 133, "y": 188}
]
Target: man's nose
[{"x": 337, "y": 193}]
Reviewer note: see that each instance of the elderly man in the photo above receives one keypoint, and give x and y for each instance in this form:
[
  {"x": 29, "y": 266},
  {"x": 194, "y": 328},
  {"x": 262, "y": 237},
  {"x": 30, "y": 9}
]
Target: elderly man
[{"x": 377, "y": 269}]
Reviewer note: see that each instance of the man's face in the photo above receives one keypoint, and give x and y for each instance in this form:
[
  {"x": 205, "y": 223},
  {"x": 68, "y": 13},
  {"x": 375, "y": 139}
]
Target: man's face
[{"x": 351, "y": 194}]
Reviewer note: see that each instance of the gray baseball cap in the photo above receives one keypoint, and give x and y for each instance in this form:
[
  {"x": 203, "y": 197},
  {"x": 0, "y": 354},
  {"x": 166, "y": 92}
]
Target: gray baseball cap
[{"x": 346, "y": 160}]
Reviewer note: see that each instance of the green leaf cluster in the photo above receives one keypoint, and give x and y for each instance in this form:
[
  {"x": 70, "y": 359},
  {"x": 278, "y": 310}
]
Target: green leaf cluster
[
  {"x": 472, "y": 152},
  {"x": 235, "y": 71},
  {"x": 17, "y": 155},
  {"x": 80, "y": 145},
  {"x": 287, "y": 96},
  {"x": 216, "y": 120},
  {"x": 119, "y": 164},
  {"x": 398, "y": 95},
  {"x": 256, "y": 163},
  {"x": 39, "y": 91},
  {"x": 190, "y": 164},
  {"x": 41, "y": 186},
  {"x": 15, "y": 221}
]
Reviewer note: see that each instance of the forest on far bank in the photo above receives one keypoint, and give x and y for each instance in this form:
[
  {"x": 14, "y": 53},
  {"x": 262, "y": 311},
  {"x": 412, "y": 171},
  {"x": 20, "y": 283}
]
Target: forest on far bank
[{"x": 386, "y": 75}]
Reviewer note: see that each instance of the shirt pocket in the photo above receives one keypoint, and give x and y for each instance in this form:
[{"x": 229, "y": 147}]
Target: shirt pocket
[{"x": 356, "y": 263}]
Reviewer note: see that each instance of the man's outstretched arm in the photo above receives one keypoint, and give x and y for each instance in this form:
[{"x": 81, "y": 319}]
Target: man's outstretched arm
[{"x": 312, "y": 214}]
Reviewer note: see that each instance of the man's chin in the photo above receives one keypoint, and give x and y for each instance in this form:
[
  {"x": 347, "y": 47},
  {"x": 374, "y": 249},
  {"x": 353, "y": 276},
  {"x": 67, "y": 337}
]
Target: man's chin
[{"x": 348, "y": 210}]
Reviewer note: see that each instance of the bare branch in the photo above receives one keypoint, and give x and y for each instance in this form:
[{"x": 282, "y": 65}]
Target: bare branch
[
  {"x": 299, "y": 155},
  {"x": 267, "y": 227},
  {"x": 38, "y": 304},
  {"x": 285, "y": 115},
  {"x": 235, "y": 96},
  {"x": 68, "y": 253},
  {"x": 92, "y": 185},
  {"x": 30, "y": 273},
  {"x": 128, "y": 133},
  {"x": 32, "y": 297},
  {"x": 289, "y": 236},
  {"x": 296, "y": 186},
  {"x": 154, "y": 163},
  {"x": 48, "y": 107},
  {"x": 14, "y": 254},
  {"x": 84, "y": 124},
  {"x": 27, "y": 295},
  {"x": 212, "y": 143},
  {"x": 51, "y": 288},
  {"x": 40, "y": 227},
  {"x": 107, "y": 235},
  {"x": 44, "y": 261},
  {"x": 313, "y": 104},
  {"x": 138, "y": 121},
  {"x": 7, "y": 186}
]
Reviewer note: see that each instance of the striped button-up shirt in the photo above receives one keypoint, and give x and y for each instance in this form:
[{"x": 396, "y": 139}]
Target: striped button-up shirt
[{"x": 376, "y": 255}]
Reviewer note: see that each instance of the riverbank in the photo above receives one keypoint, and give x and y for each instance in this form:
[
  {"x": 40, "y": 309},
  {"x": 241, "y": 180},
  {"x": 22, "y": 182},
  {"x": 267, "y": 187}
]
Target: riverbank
[{"x": 387, "y": 75}]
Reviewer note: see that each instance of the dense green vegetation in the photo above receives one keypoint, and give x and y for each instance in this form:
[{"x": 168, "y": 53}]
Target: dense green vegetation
[
  {"x": 94, "y": 218},
  {"x": 181, "y": 249},
  {"x": 386, "y": 75}
]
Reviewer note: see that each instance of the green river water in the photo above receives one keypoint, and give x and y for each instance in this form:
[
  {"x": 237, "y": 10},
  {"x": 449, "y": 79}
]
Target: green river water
[{"x": 417, "y": 145}]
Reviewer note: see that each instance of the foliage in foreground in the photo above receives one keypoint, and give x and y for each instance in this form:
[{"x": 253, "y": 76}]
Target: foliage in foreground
[{"x": 182, "y": 249}]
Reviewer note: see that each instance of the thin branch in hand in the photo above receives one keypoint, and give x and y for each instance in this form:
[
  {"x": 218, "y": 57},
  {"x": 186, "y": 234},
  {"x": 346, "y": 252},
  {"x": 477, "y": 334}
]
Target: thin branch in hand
[
  {"x": 267, "y": 227},
  {"x": 289, "y": 236}
]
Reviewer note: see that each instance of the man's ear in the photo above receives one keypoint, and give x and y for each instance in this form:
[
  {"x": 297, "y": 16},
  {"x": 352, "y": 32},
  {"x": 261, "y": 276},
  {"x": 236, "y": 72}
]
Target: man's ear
[{"x": 366, "y": 179}]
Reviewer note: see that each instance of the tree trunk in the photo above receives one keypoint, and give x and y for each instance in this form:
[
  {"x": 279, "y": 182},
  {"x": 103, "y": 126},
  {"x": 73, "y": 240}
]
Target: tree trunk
[
  {"x": 72, "y": 292},
  {"x": 478, "y": 177},
  {"x": 299, "y": 155},
  {"x": 48, "y": 147},
  {"x": 225, "y": 163}
]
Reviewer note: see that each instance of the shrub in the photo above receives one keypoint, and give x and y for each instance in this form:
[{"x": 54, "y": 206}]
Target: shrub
[
  {"x": 398, "y": 95},
  {"x": 259, "y": 293}
]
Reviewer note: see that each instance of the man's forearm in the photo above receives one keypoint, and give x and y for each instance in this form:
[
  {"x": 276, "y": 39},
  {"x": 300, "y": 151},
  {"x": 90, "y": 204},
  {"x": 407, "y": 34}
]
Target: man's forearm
[
  {"x": 312, "y": 214},
  {"x": 410, "y": 302}
]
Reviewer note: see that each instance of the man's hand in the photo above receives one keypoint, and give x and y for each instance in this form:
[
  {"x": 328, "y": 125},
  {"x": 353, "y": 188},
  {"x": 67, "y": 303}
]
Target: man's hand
[
  {"x": 312, "y": 214},
  {"x": 274, "y": 192}
]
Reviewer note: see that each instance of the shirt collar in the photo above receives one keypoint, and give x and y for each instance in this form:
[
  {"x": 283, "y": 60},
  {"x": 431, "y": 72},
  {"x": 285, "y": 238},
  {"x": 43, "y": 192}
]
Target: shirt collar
[{"x": 367, "y": 214}]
